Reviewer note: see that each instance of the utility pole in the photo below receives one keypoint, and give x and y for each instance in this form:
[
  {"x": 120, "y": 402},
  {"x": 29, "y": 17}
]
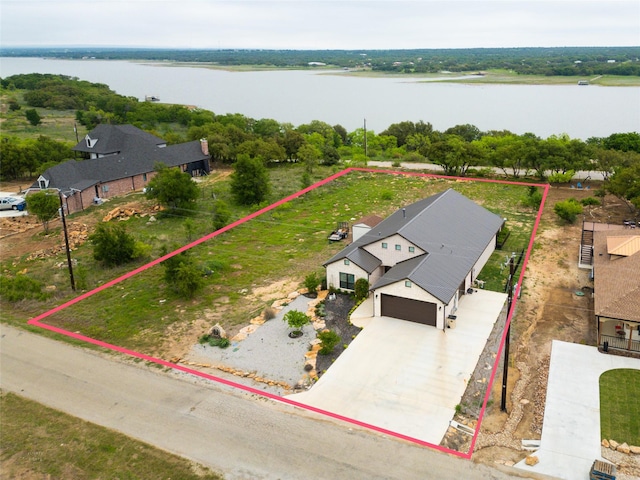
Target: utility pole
[
  {"x": 365, "y": 137},
  {"x": 66, "y": 242},
  {"x": 505, "y": 362}
]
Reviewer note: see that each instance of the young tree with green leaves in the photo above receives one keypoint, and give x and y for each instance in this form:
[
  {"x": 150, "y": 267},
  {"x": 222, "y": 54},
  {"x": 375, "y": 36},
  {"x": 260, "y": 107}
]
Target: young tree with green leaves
[
  {"x": 250, "y": 180},
  {"x": 221, "y": 214},
  {"x": 112, "y": 245},
  {"x": 44, "y": 205},
  {"x": 182, "y": 274},
  {"x": 173, "y": 188},
  {"x": 625, "y": 184},
  {"x": 296, "y": 320}
]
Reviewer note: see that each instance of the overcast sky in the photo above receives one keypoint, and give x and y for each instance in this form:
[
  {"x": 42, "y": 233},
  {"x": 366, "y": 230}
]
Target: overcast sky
[{"x": 320, "y": 24}]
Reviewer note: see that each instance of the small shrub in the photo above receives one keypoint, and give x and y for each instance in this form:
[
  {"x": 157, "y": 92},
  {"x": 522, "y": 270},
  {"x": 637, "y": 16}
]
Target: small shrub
[
  {"x": 560, "y": 177},
  {"x": 361, "y": 289},
  {"x": 534, "y": 198},
  {"x": 480, "y": 173},
  {"x": 33, "y": 117},
  {"x": 387, "y": 195},
  {"x": 590, "y": 201},
  {"x": 219, "y": 342},
  {"x": 568, "y": 210},
  {"x": 329, "y": 339},
  {"x": 311, "y": 282},
  {"x": 269, "y": 313},
  {"x": 396, "y": 164},
  {"x": 22, "y": 287}
]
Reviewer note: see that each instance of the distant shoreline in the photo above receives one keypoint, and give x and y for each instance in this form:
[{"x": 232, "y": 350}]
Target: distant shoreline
[{"x": 495, "y": 77}]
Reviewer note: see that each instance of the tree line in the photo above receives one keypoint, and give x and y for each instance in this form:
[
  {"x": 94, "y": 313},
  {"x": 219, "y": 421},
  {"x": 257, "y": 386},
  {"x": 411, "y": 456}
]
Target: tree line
[
  {"x": 459, "y": 150},
  {"x": 582, "y": 61}
]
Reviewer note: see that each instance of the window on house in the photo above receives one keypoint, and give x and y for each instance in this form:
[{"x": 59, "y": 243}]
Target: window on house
[
  {"x": 398, "y": 248},
  {"x": 105, "y": 188},
  {"x": 407, "y": 283},
  {"x": 347, "y": 281},
  {"x": 384, "y": 245},
  {"x": 42, "y": 184},
  {"x": 412, "y": 249},
  {"x": 347, "y": 262},
  {"x": 144, "y": 177}
]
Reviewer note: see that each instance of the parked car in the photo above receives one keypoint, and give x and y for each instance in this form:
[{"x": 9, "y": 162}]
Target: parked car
[{"x": 12, "y": 203}]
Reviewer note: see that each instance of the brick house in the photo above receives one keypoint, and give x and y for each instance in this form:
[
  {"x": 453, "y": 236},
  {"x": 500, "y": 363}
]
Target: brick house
[{"x": 118, "y": 159}]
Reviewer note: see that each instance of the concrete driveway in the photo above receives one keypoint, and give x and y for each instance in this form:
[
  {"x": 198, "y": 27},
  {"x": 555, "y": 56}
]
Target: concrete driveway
[
  {"x": 571, "y": 428},
  {"x": 406, "y": 377}
]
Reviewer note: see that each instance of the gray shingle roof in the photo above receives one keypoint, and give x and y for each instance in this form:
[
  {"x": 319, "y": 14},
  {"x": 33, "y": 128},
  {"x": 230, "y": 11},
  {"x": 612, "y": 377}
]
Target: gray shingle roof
[
  {"x": 138, "y": 153},
  {"x": 117, "y": 138},
  {"x": 452, "y": 229}
]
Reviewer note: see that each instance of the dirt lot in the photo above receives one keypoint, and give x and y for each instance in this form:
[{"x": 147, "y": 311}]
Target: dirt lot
[{"x": 548, "y": 309}]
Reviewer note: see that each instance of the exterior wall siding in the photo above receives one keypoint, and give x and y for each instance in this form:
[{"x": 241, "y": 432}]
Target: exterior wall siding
[
  {"x": 484, "y": 258},
  {"x": 390, "y": 256},
  {"x": 81, "y": 200},
  {"x": 359, "y": 231},
  {"x": 334, "y": 270}
]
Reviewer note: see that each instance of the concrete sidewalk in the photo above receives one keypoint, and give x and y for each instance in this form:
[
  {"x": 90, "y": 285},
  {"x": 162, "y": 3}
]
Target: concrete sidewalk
[{"x": 571, "y": 430}]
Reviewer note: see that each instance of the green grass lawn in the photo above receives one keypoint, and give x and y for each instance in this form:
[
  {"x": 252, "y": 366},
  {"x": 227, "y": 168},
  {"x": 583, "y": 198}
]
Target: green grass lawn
[
  {"x": 45, "y": 443},
  {"x": 287, "y": 243},
  {"x": 620, "y": 405}
]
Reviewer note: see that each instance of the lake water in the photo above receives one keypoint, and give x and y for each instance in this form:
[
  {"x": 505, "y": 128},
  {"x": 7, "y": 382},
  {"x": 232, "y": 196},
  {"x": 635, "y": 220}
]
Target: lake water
[{"x": 299, "y": 96}]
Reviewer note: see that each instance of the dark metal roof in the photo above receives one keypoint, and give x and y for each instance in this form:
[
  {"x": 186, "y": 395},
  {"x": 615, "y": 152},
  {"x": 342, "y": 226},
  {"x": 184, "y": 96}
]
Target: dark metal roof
[{"x": 452, "y": 229}]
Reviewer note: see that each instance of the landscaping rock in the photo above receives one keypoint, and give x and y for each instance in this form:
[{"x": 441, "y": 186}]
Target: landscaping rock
[
  {"x": 623, "y": 448},
  {"x": 634, "y": 449},
  {"x": 217, "y": 331},
  {"x": 605, "y": 443},
  {"x": 613, "y": 444},
  {"x": 532, "y": 460}
]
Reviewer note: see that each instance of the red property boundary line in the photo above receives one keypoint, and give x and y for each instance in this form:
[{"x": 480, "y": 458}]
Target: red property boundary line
[{"x": 38, "y": 321}]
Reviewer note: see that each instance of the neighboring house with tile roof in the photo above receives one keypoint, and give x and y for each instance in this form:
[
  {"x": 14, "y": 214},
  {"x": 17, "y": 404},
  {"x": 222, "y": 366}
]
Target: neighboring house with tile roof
[
  {"x": 616, "y": 296},
  {"x": 119, "y": 159},
  {"x": 421, "y": 259}
]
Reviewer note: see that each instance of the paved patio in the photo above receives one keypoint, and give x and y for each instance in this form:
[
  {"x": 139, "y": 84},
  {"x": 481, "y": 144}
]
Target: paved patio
[
  {"x": 406, "y": 377},
  {"x": 571, "y": 428}
]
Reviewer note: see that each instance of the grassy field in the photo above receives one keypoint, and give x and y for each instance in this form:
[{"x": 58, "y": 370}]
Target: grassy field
[
  {"x": 39, "y": 442},
  {"x": 287, "y": 243},
  {"x": 620, "y": 406}
]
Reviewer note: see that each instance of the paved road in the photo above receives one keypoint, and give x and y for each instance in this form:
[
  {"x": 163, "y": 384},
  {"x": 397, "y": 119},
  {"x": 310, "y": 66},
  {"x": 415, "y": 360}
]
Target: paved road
[
  {"x": 579, "y": 176},
  {"x": 237, "y": 434}
]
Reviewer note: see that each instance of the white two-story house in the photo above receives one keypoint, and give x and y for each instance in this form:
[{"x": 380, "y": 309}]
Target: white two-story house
[{"x": 421, "y": 259}]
